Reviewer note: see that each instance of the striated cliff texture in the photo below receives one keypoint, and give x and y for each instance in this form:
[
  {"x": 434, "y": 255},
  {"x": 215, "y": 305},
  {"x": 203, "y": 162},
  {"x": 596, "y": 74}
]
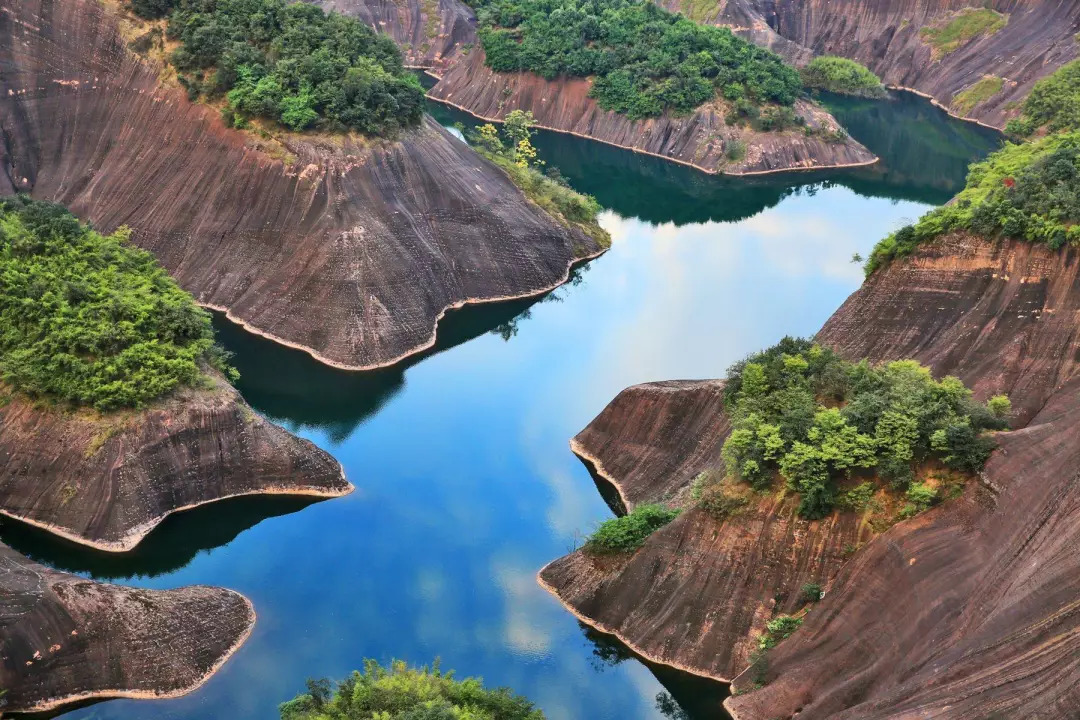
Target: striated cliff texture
[
  {"x": 349, "y": 249},
  {"x": 965, "y": 611},
  {"x": 700, "y": 140},
  {"x": 430, "y": 32},
  {"x": 67, "y": 639},
  {"x": 107, "y": 481},
  {"x": 886, "y": 36}
]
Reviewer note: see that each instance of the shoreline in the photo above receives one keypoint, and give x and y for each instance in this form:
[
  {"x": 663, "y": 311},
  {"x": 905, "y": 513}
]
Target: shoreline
[{"x": 579, "y": 450}]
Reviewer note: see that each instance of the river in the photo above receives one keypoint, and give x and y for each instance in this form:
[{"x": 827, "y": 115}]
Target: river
[{"x": 465, "y": 484}]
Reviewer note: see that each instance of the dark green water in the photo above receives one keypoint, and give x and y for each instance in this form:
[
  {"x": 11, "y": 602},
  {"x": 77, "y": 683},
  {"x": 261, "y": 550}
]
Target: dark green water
[{"x": 465, "y": 484}]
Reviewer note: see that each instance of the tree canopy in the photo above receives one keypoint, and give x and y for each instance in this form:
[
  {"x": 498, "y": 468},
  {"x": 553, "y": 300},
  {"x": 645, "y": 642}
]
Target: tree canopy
[
  {"x": 843, "y": 76},
  {"x": 399, "y": 692},
  {"x": 291, "y": 63},
  {"x": 644, "y": 59},
  {"x": 1054, "y": 103},
  {"x": 801, "y": 411},
  {"x": 87, "y": 318}
]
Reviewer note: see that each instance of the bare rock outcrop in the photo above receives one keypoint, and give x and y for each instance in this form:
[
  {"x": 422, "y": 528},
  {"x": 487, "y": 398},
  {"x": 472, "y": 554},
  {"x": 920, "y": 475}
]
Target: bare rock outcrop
[
  {"x": 107, "y": 481},
  {"x": 68, "y": 639},
  {"x": 349, "y": 249},
  {"x": 886, "y": 36},
  {"x": 962, "y": 612},
  {"x": 701, "y": 139}
]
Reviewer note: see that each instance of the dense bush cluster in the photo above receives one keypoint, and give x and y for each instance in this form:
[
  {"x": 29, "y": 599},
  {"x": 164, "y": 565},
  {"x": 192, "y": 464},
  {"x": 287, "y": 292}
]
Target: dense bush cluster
[
  {"x": 629, "y": 532},
  {"x": 1029, "y": 191},
  {"x": 644, "y": 59},
  {"x": 291, "y": 63},
  {"x": 88, "y": 319},
  {"x": 840, "y": 75},
  {"x": 1054, "y": 103},
  {"x": 403, "y": 693},
  {"x": 799, "y": 410}
]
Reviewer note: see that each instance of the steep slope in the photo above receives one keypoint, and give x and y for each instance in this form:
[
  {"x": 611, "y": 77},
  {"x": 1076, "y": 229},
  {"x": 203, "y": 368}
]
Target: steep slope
[
  {"x": 349, "y": 249},
  {"x": 67, "y": 639},
  {"x": 998, "y": 315},
  {"x": 107, "y": 481},
  {"x": 700, "y": 140},
  {"x": 1038, "y": 38}
]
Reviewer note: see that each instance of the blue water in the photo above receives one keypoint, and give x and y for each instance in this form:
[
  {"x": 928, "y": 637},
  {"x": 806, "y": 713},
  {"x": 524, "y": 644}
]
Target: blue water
[{"x": 465, "y": 483}]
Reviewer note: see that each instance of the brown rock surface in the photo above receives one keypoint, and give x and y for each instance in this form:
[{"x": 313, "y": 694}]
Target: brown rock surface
[
  {"x": 885, "y": 36},
  {"x": 350, "y": 250},
  {"x": 699, "y": 139},
  {"x": 108, "y": 481},
  {"x": 67, "y": 639},
  {"x": 961, "y": 612}
]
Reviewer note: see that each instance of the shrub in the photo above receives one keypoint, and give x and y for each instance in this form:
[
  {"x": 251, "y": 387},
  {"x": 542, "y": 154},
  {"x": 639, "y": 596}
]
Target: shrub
[
  {"x": 811, "y": 592},
  {"x": 399, "y": 692},
  {"x": 778, "y": 629},
  {"x": 86, "y": 318},
  {"x": 840, "y": 75},
  {"x": 291, "y": 63},
  {"x": 1054, "y": 103},
  {"x": 999, "y": 406},
  {"x": 719, "y": 502},
  {"x": 629, "y": 532},
  {"x": 643, "y": 59}
]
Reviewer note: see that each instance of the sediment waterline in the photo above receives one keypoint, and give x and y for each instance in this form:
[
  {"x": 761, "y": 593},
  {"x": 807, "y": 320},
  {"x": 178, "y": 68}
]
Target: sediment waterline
[
  {"x": 51, "y": 704},
  {"x": 136, "y": 535},
  {"x": 426, "y": 345},
  {"x": 948, "y": 111},
  {"x": 746, "y": 173}
]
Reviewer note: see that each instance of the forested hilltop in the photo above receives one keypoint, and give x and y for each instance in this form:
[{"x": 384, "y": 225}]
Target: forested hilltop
[
  {"x": 88, "y": 319},
  {"x": 290, "y": 63}
]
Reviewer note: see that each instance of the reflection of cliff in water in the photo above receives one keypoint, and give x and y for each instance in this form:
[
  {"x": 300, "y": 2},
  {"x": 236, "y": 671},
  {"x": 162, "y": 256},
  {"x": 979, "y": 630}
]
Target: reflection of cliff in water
[
  {"x": 924, "y": 157},
  {"x": 292, "y": 388},
  {"x": 685, "y": 696}
]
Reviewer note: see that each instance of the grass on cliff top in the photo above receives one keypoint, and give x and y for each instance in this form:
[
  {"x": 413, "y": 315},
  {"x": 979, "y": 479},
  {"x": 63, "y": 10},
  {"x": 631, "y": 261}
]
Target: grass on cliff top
[
  {"x": 802, "y": 413},
  {"x": 1053, "y": 105},
  {"x": 629, "y": 532},
  {"x": 1029, "y": 191},
  {"x": 970, "y": 23},
  {"x": 399, "y": 692},
  {"x": 842, "y": 76},
  {"x": 88, "y": 319},
  {"x": 969, "y": 98}
]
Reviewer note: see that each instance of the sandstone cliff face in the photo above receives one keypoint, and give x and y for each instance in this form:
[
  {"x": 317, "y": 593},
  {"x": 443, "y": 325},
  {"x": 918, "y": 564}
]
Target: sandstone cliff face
[
  {"x": 349, "y": 250},
  {"x": 943, "y": 614},
  {"x": 67, "y": 639},
  {"x": 885, "y": 36},
  {"x": 430, "y": 32},
  {"x": 108, "y": 481},
  {"x": 700, "y": 140}
]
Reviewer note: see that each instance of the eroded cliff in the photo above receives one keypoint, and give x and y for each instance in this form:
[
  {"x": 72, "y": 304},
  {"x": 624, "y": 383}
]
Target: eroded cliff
[
  {"x": 940, "y": 615},
  {"x": 350, "y": 249},
  {"x": 1039, "y": 36},
  {"x": 701, "y": 140},
  {"x": 68, "y": 639},
  {"x": 108, "y": 480}
]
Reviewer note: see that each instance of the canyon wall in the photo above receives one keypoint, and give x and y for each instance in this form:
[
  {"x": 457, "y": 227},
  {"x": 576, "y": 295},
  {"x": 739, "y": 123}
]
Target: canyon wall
[
  {"x": 885, "y": 35},
  {"x": 978, "y": 593},
  {"x": 347, "y": 248},
  {"x": 701, "y": 139},
  {"x": 67, "y": 639},
  {"x": 107, "y": 481}
]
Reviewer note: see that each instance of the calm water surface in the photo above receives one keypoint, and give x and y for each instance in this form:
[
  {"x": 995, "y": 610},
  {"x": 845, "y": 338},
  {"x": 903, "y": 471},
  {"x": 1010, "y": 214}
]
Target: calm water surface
[{"x": 465, "y": 484}]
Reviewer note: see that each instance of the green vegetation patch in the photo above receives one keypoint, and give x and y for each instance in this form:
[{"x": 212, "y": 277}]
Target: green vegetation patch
[
  {"x": 88, "y": 319},
  {"x": 800, "y": 411},
  {"x": 643, "y": 59},
  {"x": 778, "y": 629},
  {"x": 1054, "y": 104},
  {"x": 512, "y": 150},
  {"x": 843, "y": 76},
  {"x": 629, "y": 532},
  {"x": 290, "y": 63},
  {"x": 1029, "y": 191},
  {"x": 969, "y": 98},
  {"x": 967, "y": 25},
  {"x": 399, "y": 692}
]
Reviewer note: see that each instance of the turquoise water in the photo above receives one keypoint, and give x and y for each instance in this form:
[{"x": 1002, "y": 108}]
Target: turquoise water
[{"x": 465, "y": 483}]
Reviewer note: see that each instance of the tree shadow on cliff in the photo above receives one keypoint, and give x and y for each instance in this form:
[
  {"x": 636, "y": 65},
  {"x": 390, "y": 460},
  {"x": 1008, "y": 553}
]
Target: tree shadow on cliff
[
  {"x": 291, "y": 387},
  {"x": 685, "y": 696},
  {"x": 170, "y": 546}
]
